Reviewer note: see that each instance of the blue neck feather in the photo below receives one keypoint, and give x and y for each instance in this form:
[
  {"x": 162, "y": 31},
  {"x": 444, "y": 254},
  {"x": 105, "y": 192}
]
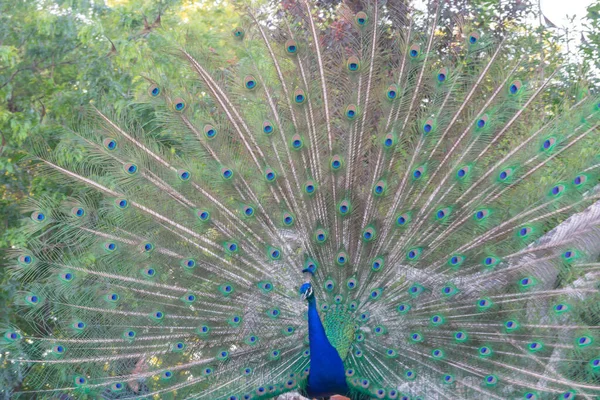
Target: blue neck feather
[{"x": 327, "y": 373}]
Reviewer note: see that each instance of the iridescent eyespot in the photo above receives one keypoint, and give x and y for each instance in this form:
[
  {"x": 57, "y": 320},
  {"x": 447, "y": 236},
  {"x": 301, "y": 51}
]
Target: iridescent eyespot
[
  {"x": 351, "y": 112},
  {"x": 158, "y": 315},
  {"x": 32, "y": 299},
  {"x": 147, "y": 247},
  {"x": 514, "y": 87},
  {"x": 238, "y": 33},
  {"x": 109, "y": 144},
  {"x": 129, "y": 334},
  {"x": 418, "y": 173},
  {"x": 485, "y": 351},
  {"x": 121, "y": 203},
  {"x": 437, "y": 353},
  {"x": 428, "y": 126},
  {"x": 557, "y": 190},
  {"x": 361, "y": 18},
  {"x": 505, "y": 174},
  {"x": 267, "y": 128},
  {"x": 511, "y": 325},
  {"x": 569, "y": 254},
  {"x": 482, "y": 122},
  {"x": 403, "y": 308},
  {"x": 389, "y": 140},
  {"x": 375, "y": 294},
  {"x": 77, "y": 211},
  {"x": 329, "y": 285},
  {"x": 442, "y": 75},
  {"x": 226, "y": 173},
  {"x": 299, "y": 96},
  {"x": 189, "y": 298},
  {"x": 403, "y": 219},
  {"x": 482, "y": 214},
  {"x": 248, "y": 211},
  {"x": 154, "y": 90},
  {"x": 415, "y": 289},
  {"x": 25, "y": 259},
  {"x": 527, "y": 282},
  {"x": 188, "y": 263},
  {"x": 38, "y": 216},
  {"x": 410, "y": 374},
  {"x": 473, "y": 37},
  {"x": 297, "y": 142},
  {"x": 584, "y": 341},
  {"x": 437, "y": 320},
  {"x": 490, "y": 261},
  {"x": 79, "y": 325},
  {"x": 447, "y": 379},
  {"x": 130, "y": 168},
  {"x": 561, "y": 308},
  {"x": 273, "y": 313},
  {"x": 291, "y": 47},
  {"x": 270, "y": 175},
  {"x": 110, "y": 246},
  {"x": 490, "y": 380},
  {"x": 449, "y": 290},
  {"x": 210, "y": 131},
  {"x": 413, "y": 254},
  {"x": 414, "y": 50},
  {"x": 524, "y": 231},
  {"x": 549, "y": 143},
  {"x": 392, "y": 92},
  {"x": 66, "y": 276},
  {"x": 484, "y": 304},
  {"x": 456, "y": 260},
  {"x": 112, "y": 297},
  {"x": 203, "y": 215},
  {"x": 321, "y": 235},
  {"x": 377, "y": 264},
  {"x": 379, "y": 188},
  {"x": 535, "y": 346},
  {"x": 179, "y": 104},
  {"x": 336, "y": 163},
  {"x": 369, "y": 234},
  {"x": 351, "y": 283},
  {"x": 288, "y": 219},
  {"x": 249, "y": 82},
  {"x": 344, "y": 207},
  {"x": 579, "y": 180},
  {"x": 310, "y": 187},
  {"x": 226, "y": 289},
  {"x": 353, "y": 64},
  {"x": 460, "y": 336},
  {"x": 442, "y": 214},
  {"x": 463, "y": 172},
  {"x": 274, "y": 253}
]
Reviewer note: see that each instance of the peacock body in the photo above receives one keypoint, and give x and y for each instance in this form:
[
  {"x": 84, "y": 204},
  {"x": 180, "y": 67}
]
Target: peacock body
[{"x": 327, "y": 203}]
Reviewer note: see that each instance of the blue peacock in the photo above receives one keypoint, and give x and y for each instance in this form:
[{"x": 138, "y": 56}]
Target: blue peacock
[{"x": 325, "y": 202}]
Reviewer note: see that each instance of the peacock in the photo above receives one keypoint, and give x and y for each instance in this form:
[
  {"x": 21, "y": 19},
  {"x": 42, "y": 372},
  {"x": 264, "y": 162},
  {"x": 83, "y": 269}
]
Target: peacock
[{"x": 327, "y": 199}]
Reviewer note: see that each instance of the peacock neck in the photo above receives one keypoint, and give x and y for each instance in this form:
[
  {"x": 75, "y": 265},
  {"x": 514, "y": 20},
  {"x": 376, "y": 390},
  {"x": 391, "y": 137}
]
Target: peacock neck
[{"x": 327, "y": 374}]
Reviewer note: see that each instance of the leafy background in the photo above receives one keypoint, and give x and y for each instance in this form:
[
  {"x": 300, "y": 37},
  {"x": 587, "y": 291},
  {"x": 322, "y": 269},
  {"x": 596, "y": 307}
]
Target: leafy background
[{"x": 57, "y": 56}]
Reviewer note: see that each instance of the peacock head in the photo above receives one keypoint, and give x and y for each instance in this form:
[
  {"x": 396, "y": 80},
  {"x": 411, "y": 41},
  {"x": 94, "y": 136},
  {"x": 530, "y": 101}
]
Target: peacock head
[{"x": 307, "y": 292}]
